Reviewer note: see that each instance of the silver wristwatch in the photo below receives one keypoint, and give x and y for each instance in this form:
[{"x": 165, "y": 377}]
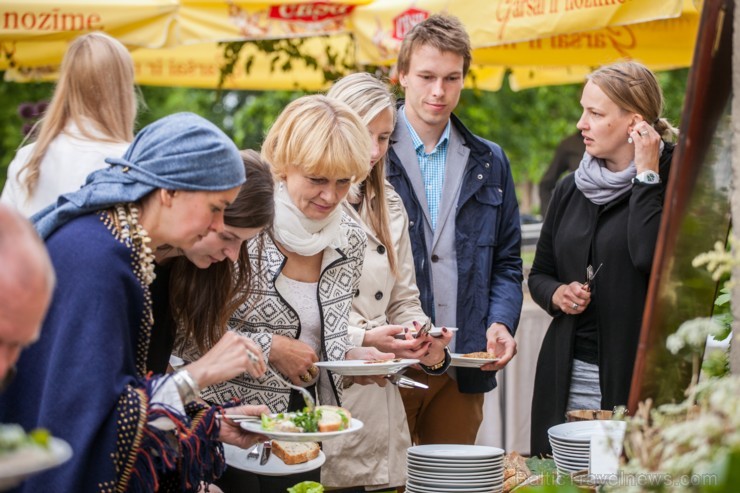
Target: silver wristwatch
[{"x": 648, "y": 177}]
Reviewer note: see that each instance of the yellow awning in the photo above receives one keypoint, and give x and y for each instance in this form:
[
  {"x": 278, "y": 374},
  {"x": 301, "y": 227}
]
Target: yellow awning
[
  {"x": 199, "y": 66},
  {"x": 133, "y": 22},
  {"x": 663, "y": 42},
  {"x": 380, "y": 26},
  {"x": 218, "y": 20}
]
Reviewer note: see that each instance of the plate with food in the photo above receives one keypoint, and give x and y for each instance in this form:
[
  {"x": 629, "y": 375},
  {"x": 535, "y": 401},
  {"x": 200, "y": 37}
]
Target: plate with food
[
  {"x": 434, "y": 332},
  {"x": 472, "y": 360},
  {"x": 285, "y": 458},
  {"x": 322, "y": 423},
  {"x": 23, "y": 454},
  {"x": 360, "y": 367}
]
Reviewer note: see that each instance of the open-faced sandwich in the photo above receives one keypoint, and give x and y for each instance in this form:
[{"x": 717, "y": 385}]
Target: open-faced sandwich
[
  {"x": 295, "y": 452},
  {"x": 480, "y": 355},
  {"x": 322, "y": 419}
]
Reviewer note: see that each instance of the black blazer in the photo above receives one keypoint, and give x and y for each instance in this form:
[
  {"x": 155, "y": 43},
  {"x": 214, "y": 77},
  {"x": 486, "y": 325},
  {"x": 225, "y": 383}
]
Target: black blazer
[{"x": 621, "y": 234}]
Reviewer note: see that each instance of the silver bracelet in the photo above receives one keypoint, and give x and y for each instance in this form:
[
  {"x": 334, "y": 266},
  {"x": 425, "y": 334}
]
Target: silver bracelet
[{"x": 186, "y": 386}]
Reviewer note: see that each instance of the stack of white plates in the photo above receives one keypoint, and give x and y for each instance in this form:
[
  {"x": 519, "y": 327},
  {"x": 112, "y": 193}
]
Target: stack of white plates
[
  {"x": 455, "y": 468},
  {"x": 571, "y": 442}
]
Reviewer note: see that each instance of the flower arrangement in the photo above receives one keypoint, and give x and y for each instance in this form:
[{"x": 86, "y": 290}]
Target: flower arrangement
[{"x": 691, "y": 446}]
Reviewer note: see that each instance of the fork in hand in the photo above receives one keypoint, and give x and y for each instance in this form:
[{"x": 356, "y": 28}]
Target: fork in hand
[
  {"x": 590, "y": 274},
  {"x": 307, "y": 397}
]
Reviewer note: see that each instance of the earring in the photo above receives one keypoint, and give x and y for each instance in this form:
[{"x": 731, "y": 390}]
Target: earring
[{"x": 629, "y": 140}]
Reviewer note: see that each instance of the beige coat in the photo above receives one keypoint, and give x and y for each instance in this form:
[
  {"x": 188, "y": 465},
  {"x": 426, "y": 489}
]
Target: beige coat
[{"x": 376, "y": 455}]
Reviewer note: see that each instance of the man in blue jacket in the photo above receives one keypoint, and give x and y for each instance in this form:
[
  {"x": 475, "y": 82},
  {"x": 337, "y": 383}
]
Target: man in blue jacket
[{"x": 464, "y": 227}]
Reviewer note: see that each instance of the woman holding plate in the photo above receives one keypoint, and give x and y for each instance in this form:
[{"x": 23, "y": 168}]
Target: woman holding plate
[
  {"x": 388, "y": 300},
  {"x": 85, "y": 379},
  {"x": 306, "y": 274}
]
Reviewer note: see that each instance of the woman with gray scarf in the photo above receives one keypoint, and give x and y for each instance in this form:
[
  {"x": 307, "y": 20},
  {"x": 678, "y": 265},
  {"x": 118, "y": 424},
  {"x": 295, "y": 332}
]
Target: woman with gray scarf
[
  {"x": 595, "y": 252},
  {"x": 85, "y": 379}
]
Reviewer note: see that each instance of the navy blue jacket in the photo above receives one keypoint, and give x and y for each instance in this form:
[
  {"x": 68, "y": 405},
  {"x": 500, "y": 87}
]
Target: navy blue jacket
[{"x": 488, "y": 246}]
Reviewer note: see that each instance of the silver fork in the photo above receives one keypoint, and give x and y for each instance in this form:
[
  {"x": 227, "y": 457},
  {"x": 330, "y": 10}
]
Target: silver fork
[
  {"x": 254, "y": 453},
  {"x": 307, "y": 397},
  {"x": 405, "y": 382}
]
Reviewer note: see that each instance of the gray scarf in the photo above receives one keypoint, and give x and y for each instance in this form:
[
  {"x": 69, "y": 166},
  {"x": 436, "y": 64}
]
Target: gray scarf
[{"x": 600, "y": 185}]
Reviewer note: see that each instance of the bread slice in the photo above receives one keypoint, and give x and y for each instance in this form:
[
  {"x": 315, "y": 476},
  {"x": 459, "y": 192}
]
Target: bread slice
[
  {"x": 295, "y": 452},
  {"x": 334, "y": 418}
]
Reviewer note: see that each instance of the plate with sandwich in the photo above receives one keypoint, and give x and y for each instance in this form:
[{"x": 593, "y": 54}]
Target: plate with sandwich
[
  {"x": 361, "y": 367},
  {"x": 473, "y": 360},
  {"x": 322, "y": 423},
  {"x": 285, "y": 458},
  {"x": 434, "y": 332}
]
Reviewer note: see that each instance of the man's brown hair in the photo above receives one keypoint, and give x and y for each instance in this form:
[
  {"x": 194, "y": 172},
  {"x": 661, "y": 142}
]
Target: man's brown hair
[{"x": 442, "y": 31}]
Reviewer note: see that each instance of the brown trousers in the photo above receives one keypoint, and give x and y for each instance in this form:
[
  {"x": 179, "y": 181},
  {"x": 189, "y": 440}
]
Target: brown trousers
[{"x": 441, "y": 414}]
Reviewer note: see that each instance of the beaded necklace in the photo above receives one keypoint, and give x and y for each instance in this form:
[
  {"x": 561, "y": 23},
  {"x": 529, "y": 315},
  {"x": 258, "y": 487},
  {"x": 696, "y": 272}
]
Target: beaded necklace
[{"x": 127, "y": 222}]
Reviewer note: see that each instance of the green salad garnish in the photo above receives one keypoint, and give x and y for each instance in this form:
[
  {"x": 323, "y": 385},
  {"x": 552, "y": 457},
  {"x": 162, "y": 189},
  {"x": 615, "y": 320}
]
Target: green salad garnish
[
  {"x": 13, "y": 437},
  {"x": 307, "y": 420}
]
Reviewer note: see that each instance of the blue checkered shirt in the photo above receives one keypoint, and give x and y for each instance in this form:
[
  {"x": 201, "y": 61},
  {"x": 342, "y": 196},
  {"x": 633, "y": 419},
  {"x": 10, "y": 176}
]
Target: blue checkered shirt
[{"x": 432, "y": 167}]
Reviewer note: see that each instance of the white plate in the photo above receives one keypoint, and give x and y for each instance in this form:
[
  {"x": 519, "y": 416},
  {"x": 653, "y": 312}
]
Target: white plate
[
  {"x": 449, "y": 470},
  {"x": 447, "y": 464},
  {"x": 581, "y": 432},
  {"x": 460, "y": 361},
  {"x": 237, "y": 457},
  {"x": 441, "y": 479},
  {"x": 289, "y": 436},
  {"x": 415, "y": 474},
  {"x": 435, "y": 332},
  {"x": 357, "y": 367},
  {"x": 429, "y": 487},
  {"x": 17, "y": 466},
  {"x": 450, "y": 451}
]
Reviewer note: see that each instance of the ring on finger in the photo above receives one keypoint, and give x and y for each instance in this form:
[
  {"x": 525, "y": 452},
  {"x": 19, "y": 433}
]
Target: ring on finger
[
  {"x": 575, "y": 306},
  {"x": 313, "y": 371},
  {"x": 643, "y": 133},
  {"x": 306, "y": 377}
]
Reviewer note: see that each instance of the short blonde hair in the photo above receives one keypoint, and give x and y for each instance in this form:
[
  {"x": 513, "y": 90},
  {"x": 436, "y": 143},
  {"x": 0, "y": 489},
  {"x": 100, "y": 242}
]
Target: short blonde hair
[{"x": 322, "y": 137}]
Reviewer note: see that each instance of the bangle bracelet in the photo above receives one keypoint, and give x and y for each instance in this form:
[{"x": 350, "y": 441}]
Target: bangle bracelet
[
  {"x": 186, "y": 386},
  {"x": 439, "y": 365}
]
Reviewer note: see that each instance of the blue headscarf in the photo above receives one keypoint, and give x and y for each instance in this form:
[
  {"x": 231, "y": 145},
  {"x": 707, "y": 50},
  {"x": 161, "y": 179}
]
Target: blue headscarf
[{"x": 178, "y": 152}]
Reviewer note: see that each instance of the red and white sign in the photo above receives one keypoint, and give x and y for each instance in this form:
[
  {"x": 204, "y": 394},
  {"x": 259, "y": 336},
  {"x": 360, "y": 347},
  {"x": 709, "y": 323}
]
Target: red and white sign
[
  {"x": 310, "y": 11},
  {"x": 403, "y": 22}
]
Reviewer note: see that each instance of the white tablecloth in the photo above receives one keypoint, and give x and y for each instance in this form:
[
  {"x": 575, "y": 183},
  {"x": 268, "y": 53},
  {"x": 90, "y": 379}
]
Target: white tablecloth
[{"x": 507, "y": 408}]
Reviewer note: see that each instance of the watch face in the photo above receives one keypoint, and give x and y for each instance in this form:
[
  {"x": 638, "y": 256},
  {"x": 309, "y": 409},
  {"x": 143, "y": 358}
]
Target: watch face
[{"x": 650, "y": 178}]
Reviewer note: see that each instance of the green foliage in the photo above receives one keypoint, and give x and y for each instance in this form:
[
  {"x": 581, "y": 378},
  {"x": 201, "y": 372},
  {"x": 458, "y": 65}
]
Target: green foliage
[
  {"x": 254, "y": 113},
  {"x": 527, "y": 124}
]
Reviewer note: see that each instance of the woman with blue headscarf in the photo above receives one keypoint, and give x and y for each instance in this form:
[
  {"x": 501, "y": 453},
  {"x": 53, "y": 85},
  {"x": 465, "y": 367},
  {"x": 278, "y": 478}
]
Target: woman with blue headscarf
[{"x": 85, "y": 379}]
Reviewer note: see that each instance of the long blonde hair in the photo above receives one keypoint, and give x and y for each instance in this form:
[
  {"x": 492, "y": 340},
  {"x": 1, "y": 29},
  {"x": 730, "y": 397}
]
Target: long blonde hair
[
  {"x": 95, "y": 87},
  {"x": 368, "y": 96}
]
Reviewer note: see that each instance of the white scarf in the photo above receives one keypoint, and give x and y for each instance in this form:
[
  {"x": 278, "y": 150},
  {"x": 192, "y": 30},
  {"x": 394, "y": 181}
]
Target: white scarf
[
  {"x": 302, "y": 235},
  {"x": 600, "y": 185}
]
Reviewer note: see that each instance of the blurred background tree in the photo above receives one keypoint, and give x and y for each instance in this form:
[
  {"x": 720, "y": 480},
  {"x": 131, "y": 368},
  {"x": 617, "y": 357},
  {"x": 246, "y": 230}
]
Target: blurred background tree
[{"x": 527, "y": 124}]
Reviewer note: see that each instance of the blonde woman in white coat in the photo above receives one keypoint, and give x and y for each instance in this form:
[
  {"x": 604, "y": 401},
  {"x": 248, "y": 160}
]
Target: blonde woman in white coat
[
  {"x": 387, "y": 303},
  {"x": 91, "y": 117}
]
